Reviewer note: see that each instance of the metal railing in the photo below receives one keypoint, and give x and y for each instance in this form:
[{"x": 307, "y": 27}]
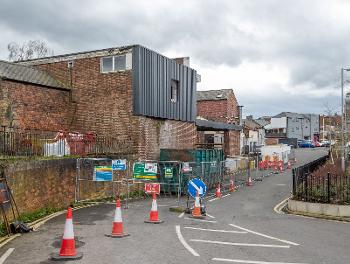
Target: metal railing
[
  {"x": 16, "y": 142},
  {"x": 313, "y": 183}
]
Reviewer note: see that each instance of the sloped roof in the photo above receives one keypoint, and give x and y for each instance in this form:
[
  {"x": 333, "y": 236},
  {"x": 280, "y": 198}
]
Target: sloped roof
[
  {"x": 262, "y": 122},
  {"x": 288, "y": 114},
  {"x": 20, "y": 73},
  {"x": 251, "y": 124},
  {"x": 77, "y": 55},
  {"x": 213, "y": 95}
]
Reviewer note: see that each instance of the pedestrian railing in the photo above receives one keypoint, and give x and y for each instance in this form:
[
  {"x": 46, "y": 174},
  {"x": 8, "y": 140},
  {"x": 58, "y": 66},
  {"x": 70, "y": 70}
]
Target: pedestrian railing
[
  {"x": 17, "y": 142},
  {"x": 315, "y": 182}
]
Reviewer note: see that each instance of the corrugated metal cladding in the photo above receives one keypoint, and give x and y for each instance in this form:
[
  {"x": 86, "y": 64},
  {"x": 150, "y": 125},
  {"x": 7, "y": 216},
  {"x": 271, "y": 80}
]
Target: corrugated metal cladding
[{"x": 152, "y": 75}]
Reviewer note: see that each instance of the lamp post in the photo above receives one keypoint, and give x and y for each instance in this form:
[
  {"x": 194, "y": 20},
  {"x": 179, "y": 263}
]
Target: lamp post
[{"x": 342, "y": 119}]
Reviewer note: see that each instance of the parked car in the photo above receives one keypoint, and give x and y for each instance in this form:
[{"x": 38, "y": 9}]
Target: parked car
[
  {"x": 325, "y": 143},
  {"x": 306, "y": 144},
  {"x": 317, "y": 144}
]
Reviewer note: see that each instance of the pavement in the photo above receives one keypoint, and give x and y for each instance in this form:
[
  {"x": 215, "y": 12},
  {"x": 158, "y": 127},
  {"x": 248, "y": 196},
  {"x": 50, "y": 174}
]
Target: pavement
[{"x": 240, "y": 228}]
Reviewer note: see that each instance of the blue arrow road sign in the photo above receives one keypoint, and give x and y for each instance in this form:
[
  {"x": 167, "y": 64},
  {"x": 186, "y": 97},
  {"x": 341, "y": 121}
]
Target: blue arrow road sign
[{"x": 195, "y": 185}]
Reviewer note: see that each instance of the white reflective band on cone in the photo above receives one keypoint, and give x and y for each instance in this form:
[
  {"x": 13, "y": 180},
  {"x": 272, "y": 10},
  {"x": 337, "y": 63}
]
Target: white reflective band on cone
[
  {"x": 118, "y": 215},
  {"x": 196, "y": 202},
  {"x": 154, "y": 206},
  {"x": 68, "y": 230}
]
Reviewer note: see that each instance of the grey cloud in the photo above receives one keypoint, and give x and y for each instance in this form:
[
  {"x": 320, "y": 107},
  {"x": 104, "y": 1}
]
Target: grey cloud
[{"x": 295, "y": 34}]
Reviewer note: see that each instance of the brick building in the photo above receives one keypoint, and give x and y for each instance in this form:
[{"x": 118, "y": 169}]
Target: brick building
[
  {"x": 219, "y": 119},
  {"x": 32, "y": 99},
  {"x": 129, "y": 92}
]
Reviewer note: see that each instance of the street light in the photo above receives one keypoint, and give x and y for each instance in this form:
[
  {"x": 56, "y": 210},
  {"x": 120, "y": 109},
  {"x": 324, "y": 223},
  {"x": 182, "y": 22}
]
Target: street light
[{"x": 342, "y": 119}]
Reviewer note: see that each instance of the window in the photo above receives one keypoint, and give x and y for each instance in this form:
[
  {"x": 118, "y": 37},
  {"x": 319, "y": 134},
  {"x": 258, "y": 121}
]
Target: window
[
  {"x": 107, "y": 64},
  {"x": 174, "y": 90},
  {"x": 116, "y": 63},
  {"x": 70, "y": 64},
  {"x": 119, "y": 63}
]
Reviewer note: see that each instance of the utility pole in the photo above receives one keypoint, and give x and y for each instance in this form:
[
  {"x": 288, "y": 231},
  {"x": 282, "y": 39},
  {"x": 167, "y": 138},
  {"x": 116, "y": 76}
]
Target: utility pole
[
  {"x": 323, "y": 127},
  {"x": 342, "y": 120}
]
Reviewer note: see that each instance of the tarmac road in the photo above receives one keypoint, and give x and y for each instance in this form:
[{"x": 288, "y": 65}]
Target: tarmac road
[{"x": 240, "y": 228}]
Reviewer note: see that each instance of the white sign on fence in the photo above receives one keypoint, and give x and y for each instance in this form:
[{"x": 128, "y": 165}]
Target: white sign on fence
[{"x": 119, "y": 164}]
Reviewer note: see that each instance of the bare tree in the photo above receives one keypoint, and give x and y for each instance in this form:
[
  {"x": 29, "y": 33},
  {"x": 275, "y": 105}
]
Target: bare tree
[{"x": 29, "y": 50}]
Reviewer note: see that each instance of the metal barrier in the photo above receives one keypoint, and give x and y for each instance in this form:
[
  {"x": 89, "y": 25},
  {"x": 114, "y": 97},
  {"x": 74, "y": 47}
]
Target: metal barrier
[
  {"x": 314, "y": 183},
  {"x": 17, "y": 142},
  {"x": 87, "y": 187},
  {"x": 173, "y": 177}
]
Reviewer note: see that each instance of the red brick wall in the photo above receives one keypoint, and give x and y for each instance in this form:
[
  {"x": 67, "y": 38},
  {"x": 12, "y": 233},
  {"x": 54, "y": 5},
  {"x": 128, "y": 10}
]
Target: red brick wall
[
  {"x": 226, "y": 111},
  {"x": 104, "y": 104},
  {"x": 35, "y": 107},
  {"x": 271, "y": 141},
  {"x": 213, "y": 110},
  {"x": 103, "y": 101},
  {"x": 155, "y": 134},
  {"x": 232, "y": 143},
  {"x": 219, "y": 110}
]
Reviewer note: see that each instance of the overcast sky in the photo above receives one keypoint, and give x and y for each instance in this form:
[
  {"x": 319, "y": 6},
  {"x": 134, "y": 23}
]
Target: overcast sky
[{"x": 276, "y": 55}]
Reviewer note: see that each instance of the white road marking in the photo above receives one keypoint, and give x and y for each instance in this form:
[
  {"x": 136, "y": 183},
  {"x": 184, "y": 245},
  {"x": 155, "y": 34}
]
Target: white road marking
[
  {"x": 184, "y": 243},
  {"x": 251, "y": 261},
  {"x": 217, "y": 198},
  {"x": 215, "y": 230},
  {"x": 260, "y": 234},
  {"x": 200, "y": 220},
  {"x": 182, "y": 214},
  {"x": 238, "y": 244},
  {"x": 278, "y": 207},
  {"x": 281, "y": 184},
  {"x": 210, "y": 215},
  {"x": 6, "y": 255}
]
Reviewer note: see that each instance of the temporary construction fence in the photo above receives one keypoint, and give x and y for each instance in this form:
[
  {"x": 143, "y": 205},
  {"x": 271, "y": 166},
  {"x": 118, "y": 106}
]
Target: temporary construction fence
[
  {"x": 17, "y": 142},
  {"x": 97, "y": 178}
]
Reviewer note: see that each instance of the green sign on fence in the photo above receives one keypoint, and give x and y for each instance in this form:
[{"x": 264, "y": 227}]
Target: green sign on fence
[
  {"x": 168, "y": 172},
  {"x": 145, "y": 171}
]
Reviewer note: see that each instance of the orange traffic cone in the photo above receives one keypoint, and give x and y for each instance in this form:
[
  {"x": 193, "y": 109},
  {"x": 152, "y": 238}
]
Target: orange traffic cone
[
  {"x": 218, "y": 191},
  {"x": 249, "y": 182},
  {"x": 232, "y": 186},
  {"x": 117, "y": 230},
  {"x": 153, "y": 216},
  {"x": 196, "y": 212},
  {"x": 67, "y": 251}
]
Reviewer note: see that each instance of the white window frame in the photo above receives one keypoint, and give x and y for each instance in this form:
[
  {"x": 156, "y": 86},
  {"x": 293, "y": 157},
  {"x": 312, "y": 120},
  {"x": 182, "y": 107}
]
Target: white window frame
[
  {"x": 101, "y": 64},
  {"x": 128, "y": 62}
]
